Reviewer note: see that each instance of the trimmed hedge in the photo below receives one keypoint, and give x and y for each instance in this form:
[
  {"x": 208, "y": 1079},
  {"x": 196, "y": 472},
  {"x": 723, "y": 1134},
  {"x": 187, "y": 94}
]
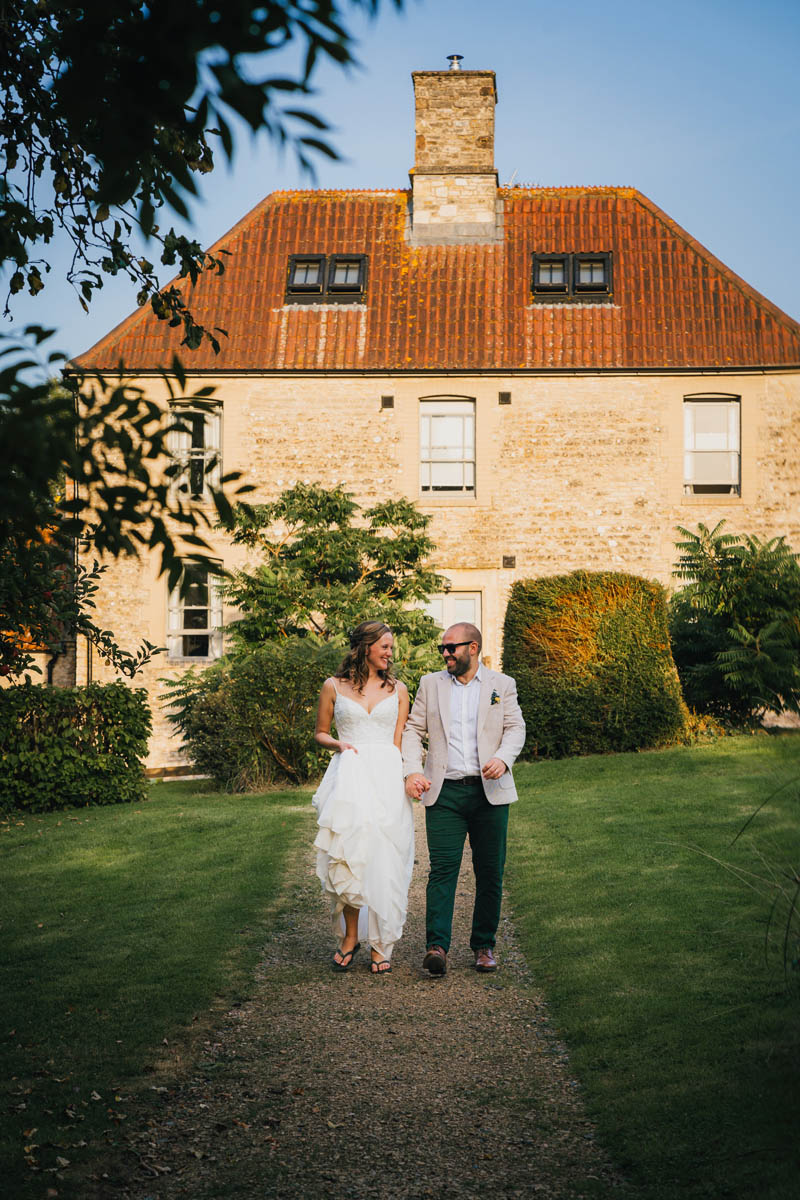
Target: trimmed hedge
[
  {"x": 72, "y": 746},
  {"x": 591, "y": 656}
]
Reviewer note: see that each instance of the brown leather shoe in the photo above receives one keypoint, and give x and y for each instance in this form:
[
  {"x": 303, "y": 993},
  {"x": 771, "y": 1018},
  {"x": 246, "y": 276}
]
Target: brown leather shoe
[
  {"x": 485, "y": 959},
  {"x": 435, "y": 961}
]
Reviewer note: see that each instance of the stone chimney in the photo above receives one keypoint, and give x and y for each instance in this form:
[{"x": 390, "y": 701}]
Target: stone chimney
[{"x": 454, "y": 180}]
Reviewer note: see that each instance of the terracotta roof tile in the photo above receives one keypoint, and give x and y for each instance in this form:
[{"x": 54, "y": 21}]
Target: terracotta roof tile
[{"x": 468, "y": 307}]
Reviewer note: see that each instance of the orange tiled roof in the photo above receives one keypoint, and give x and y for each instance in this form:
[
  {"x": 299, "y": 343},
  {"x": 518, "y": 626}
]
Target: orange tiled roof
[{"x": 467, "y": 307}]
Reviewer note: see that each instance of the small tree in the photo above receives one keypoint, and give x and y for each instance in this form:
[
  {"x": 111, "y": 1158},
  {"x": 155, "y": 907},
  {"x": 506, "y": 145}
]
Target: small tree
[
  {"x": 326, "y": 565},
  {"x": 324, "y": 570},
  {"x": 735, "y": 625}
]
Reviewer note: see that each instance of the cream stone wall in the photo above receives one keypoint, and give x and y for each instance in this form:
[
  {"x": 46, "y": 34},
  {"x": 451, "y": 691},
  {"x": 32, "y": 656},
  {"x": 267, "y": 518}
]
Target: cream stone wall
[
  {"x": 458, "y": 201},
  {"x": 576, "y": 472}
]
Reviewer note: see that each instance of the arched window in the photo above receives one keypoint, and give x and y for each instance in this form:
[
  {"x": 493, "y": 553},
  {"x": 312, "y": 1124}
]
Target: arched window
[
  {"x": 711, "y": 445},
  {"x": 447, "y": 444}
]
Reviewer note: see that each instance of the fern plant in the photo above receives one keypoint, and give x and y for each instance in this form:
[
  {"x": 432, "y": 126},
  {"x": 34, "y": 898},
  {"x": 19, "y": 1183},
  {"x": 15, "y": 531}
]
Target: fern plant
[{"x": 735, "y": 624}]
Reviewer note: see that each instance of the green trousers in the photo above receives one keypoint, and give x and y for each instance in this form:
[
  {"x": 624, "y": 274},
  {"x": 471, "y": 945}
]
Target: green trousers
[{"x": 461, "y": 811}]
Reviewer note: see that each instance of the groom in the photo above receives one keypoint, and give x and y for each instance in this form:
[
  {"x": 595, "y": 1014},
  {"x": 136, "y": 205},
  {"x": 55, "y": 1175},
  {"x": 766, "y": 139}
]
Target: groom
[{"x": 474, "y": 729}]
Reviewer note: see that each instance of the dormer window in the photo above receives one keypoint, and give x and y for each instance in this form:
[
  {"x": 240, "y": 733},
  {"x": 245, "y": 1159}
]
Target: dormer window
[
  {"x": 551, "y": 273},
  {"x": 592, "y": 274},
  {"x": 306, "y": 275},
  {"x": 346, "y": 275},
  {"x": 326, "y": 278},
  {"x": 571, "y": 276}
]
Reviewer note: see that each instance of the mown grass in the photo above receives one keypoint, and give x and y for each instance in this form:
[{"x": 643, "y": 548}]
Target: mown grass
[
  {"x": 649, "y": 929},
  {"x": 121, "y": 928}
]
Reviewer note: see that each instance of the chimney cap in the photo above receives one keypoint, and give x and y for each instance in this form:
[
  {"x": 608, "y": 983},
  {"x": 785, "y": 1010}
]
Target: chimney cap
[{"x": 455, "y": 61}]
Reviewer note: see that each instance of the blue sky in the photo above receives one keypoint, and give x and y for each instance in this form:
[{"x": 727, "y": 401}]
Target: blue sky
[{"x": 694, "y": 103}]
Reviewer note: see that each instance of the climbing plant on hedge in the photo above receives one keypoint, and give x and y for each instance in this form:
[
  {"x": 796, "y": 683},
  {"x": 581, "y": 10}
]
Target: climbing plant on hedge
[
  {"x": 64, "y": 747},
  {"x": 591, "y": 657}
]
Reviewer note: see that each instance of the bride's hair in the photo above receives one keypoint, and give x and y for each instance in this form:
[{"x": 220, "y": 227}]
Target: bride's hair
[{"x": 354, "y": 667}]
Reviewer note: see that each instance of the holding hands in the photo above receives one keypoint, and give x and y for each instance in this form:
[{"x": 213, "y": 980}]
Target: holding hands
[{"x": 416, "y": 786}]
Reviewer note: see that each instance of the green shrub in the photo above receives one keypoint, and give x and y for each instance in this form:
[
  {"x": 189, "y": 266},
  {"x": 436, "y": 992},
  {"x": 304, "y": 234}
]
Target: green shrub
[
  {"x": 591, "y": 657},
  {"x": 248, "y": 721},
  {"x": 72, "y": 746}
]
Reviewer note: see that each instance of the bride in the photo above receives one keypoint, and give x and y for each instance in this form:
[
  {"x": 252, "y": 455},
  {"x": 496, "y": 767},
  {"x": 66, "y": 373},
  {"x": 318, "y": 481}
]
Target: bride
[{"x": 365, "y": 843}]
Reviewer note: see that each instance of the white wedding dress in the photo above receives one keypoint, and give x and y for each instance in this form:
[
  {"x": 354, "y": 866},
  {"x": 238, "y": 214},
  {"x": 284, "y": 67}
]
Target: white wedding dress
[{"x": 365, "y": 843}]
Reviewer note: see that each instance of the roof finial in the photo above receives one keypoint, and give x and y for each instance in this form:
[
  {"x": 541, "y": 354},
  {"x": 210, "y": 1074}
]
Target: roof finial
[{"x": 455, "y": 61}]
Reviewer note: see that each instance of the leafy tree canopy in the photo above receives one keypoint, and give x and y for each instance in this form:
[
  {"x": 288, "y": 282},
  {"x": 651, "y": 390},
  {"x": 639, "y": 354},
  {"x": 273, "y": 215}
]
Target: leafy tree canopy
[
  {"x": 108, "y": 113},
  {"x": 735, "y": 624},
  {"x": 79, "y": 471},
  {"x": 109, "y": 110}
]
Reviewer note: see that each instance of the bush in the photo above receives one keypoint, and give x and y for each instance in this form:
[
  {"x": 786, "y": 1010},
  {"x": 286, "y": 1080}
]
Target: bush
[
  {"x": 735, "y": 625},
  {"x": 248, "y": 721},
  {"x": 591, "y": 657},
  {"x": 72, "y": 746}
]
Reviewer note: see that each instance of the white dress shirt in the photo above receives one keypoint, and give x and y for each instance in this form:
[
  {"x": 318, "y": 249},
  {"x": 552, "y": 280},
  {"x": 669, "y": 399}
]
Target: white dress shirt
[{"x": 462, "y": 748}]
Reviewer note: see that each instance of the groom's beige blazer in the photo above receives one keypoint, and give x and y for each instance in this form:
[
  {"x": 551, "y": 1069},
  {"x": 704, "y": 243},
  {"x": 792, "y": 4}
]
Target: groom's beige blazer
[{"x": 501, "y": 732}]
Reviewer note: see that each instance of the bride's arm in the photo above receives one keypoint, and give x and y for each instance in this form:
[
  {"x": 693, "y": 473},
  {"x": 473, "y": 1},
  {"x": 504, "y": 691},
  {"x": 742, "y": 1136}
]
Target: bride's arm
[
  {"x": 402, "y": 713},
  {"x": 322, "y": 733}
]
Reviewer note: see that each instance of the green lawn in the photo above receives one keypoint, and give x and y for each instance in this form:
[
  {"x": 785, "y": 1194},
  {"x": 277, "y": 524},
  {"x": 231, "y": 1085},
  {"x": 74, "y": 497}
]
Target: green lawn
[
  {"x": 647, "y": 929},
  {"x": 121, "y": 928}
]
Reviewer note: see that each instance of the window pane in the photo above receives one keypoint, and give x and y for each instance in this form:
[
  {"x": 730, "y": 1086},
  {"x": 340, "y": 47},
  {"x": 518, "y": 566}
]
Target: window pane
[
  {"x": 710, "y": 426},
  {"x": 196, "y": 476},
  {"x": 435, "y": 608},
  {"x": 464, "y": 609},
  {"x": 347, "y": 273},
  {"x": 551, "y": 272},
  {"x": 196, "y": 594},
  {"x": 453, "y": 607},
  {"x": 195, "y": 618},
  {"x": 591, "y": 271},
  {"x": 198, "y": 424},
  {"x": 447, "y": 435},
  {"x": 447, "y": 476},
  {"x": 712, "y": 466},
  {"x": 711, "y": 438},
  {"x": 306, "y": 272},
  {"x": 195, "y": 646}
]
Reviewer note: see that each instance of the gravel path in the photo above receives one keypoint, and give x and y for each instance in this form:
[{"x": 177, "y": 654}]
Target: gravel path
[{"x": 336, "y": 1086}]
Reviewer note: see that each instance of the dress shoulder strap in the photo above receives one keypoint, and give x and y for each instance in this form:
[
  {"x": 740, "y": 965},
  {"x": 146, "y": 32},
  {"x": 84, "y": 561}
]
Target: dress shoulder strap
[{"x": 333, "y": 681}]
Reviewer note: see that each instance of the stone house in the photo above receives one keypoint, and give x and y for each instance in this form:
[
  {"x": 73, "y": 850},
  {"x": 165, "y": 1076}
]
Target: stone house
[{"x": 559, "y": 376}]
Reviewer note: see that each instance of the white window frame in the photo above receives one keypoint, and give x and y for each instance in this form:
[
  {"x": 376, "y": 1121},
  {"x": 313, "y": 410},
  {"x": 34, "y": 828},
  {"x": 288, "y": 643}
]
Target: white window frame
[
  {"x": 712, "y": 461},
  {"x": 206, "y": 457},
  {"x": 447, "y": 466},
  {"x": 447, "y": 608},
  {"x": 178, "y": 630}
]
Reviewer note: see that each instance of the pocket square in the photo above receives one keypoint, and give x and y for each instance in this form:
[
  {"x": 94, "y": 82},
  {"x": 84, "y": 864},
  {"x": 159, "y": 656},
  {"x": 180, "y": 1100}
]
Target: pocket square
[{"x": 495, "y": 698}]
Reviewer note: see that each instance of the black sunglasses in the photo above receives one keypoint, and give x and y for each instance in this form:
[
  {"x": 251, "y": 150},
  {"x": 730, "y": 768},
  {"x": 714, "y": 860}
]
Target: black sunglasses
[{"x": 450, "y": 647}]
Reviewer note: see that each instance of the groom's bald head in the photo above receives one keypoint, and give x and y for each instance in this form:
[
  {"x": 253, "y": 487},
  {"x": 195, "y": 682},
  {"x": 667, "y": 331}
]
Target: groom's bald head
[{"x": 464, "y": 632}]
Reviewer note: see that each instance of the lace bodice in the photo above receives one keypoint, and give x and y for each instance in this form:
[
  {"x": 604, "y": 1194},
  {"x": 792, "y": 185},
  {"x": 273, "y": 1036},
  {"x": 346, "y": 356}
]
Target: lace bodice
[{"x": 354, "y": 724}]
